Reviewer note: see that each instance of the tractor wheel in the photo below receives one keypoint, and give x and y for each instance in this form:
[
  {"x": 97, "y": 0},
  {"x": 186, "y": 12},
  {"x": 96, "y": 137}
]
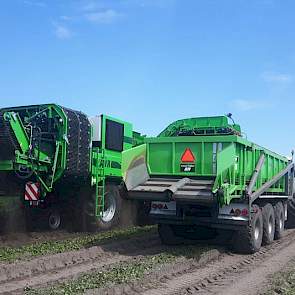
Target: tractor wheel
[
  {"x": 249, "y": 239},
  {"x": 112, "y": 211},
  {"x": 167, "y": 235},
  {"x": 54, "y": 219},
  {"x": 279, "y": 220},
  {"x": 268, "y": 216}
]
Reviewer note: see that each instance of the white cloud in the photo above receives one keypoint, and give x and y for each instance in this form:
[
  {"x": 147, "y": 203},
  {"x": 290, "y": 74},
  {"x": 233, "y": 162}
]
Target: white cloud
[
  {"x": 62, "y": 32},
  {"x": 249, "y": 105},
  {"x": 108, "y": 16},
  {"x": 276, "y": 77}
]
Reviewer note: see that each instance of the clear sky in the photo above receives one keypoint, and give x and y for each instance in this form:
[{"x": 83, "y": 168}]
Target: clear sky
[{"x": 154, "y": 61}]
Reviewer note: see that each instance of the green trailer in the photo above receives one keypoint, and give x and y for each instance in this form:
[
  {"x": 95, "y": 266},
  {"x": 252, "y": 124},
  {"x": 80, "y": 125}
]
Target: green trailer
[
  {"x": 63, "y": 163},
  {"x": 201, "y": 173}
]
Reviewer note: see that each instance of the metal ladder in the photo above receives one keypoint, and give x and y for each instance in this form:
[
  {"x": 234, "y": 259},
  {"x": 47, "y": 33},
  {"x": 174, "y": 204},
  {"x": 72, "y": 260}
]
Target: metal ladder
[{"x": 100, "y": 188}]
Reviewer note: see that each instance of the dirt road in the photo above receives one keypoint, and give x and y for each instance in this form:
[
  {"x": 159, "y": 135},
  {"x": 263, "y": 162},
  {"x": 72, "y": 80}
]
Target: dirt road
[
  {"x": 139, "y": 264},
  {"x": 232, "y": 273}
]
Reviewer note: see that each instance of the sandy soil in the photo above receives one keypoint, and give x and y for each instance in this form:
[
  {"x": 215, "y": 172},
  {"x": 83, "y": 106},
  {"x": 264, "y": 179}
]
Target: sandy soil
[
  {"x": 41, "y": 271},
  {"x": 218, "y": 271},
  {"x": 232, "y": 273}
]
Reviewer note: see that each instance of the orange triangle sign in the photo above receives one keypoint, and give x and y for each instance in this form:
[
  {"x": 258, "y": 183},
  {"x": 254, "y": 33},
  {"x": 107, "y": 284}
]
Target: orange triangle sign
[{"x": 188, "y": 156}]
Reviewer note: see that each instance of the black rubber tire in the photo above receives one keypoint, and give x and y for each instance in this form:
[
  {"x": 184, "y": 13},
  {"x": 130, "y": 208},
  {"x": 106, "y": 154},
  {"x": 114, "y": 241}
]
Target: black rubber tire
[
  {"x": 76, "y": 212},
  {"x": 279, "y": 220},
  {"x": 94, "y": 223},
  {"x": 291, "y": 214},
  {"x": 245, "y": 241},
  {"x": 28, "y": 219},
  {"x": 54, "y": 219},
  {"x": 268, "y": 216},
  {"x": 168, "y": 236}
]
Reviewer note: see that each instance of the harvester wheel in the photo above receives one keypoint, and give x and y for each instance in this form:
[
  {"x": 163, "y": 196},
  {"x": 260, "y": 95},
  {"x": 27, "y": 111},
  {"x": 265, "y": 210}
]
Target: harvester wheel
[
  {"x": 168, "y": 236},
  {"x": 268, "y": 216},
  {"x": 249, "y": 239},
  {"x": 28, "y": 219},
  {"x": 112, "y": 210},
  {"x": 279, "y": 220},
  {"x": 54, "y": 219}
]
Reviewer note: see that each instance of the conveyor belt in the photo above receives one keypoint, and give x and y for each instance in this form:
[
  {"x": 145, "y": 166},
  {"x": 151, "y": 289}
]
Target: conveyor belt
[
  {"x": 79, "y": 139},
  {"x": 8, "y": 142}
]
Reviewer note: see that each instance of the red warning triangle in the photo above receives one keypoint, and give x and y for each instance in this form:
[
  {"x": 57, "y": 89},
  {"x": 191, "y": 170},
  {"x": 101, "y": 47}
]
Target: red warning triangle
[{"x": 188, "y": 156}]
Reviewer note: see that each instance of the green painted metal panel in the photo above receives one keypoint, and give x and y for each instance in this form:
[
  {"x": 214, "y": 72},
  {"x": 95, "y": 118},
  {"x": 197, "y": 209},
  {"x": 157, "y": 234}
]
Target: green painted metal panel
[
  {"x": 222, "y": 155},
  {"x": 6, "y": 165},
  {"x": 226, "y": 158},
  {"x": 164, "y": 155}
]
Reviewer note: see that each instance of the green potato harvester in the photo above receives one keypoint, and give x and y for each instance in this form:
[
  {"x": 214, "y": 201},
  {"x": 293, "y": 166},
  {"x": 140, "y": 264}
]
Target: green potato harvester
[{"x": 63, "y": 163}]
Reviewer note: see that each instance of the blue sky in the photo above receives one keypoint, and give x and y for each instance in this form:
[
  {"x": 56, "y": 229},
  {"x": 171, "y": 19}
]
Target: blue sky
[{"x": 155, "y": 61}]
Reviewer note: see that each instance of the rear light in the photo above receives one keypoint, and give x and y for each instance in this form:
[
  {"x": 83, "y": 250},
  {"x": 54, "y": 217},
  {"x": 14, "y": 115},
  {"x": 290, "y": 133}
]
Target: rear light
[
  {"x": 159, "y": 206},
  {"x": 238, "y": 212},
  {"x": 245, "y": 212}
]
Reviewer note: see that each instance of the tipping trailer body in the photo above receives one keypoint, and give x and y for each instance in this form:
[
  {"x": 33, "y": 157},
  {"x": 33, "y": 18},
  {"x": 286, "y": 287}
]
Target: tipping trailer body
[
  {"x": 201, "y": 171},
  {"x": 51, "y": 155}
]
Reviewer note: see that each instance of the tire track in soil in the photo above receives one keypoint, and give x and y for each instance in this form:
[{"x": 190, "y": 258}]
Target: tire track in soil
[
  {"x": 49, "y": 269},
  {"x": 162, "y": 273},
  {"x": 230, "y": 274}
]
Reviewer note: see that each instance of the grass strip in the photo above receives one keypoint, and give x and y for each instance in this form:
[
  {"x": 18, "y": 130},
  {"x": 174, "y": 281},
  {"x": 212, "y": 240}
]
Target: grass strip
[
  {"x": 283, "y": 282},
  {"x": 121, "y": 273},
  {"x": 11, "y": 254}
]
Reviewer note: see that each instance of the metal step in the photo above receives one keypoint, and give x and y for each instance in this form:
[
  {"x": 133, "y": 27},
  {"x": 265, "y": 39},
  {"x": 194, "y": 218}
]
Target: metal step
[
  {"x": 197, "y": 191},
  {"x": 159, "y": 180},
  {"x": 194, "y": 197},
  {"x": 161, "y": 188}
]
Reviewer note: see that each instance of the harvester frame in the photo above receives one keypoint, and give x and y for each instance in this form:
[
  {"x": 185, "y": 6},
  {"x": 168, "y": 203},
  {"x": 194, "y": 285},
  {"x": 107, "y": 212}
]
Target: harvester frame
[{"x": 68, "y": 159}]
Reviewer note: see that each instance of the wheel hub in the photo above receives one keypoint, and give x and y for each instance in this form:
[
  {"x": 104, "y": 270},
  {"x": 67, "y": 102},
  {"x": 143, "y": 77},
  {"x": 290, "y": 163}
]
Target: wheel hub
[
  {"x": 54, "y": 221},
  {"x": 257, "y": 230},
  {"x": 281, "y": 221},
  {"x": 256, "y": 233},
  {"x": 270, "y": 225},
  {"x": 110, "y": 209},
  {"x": 269, "y": 228}
]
